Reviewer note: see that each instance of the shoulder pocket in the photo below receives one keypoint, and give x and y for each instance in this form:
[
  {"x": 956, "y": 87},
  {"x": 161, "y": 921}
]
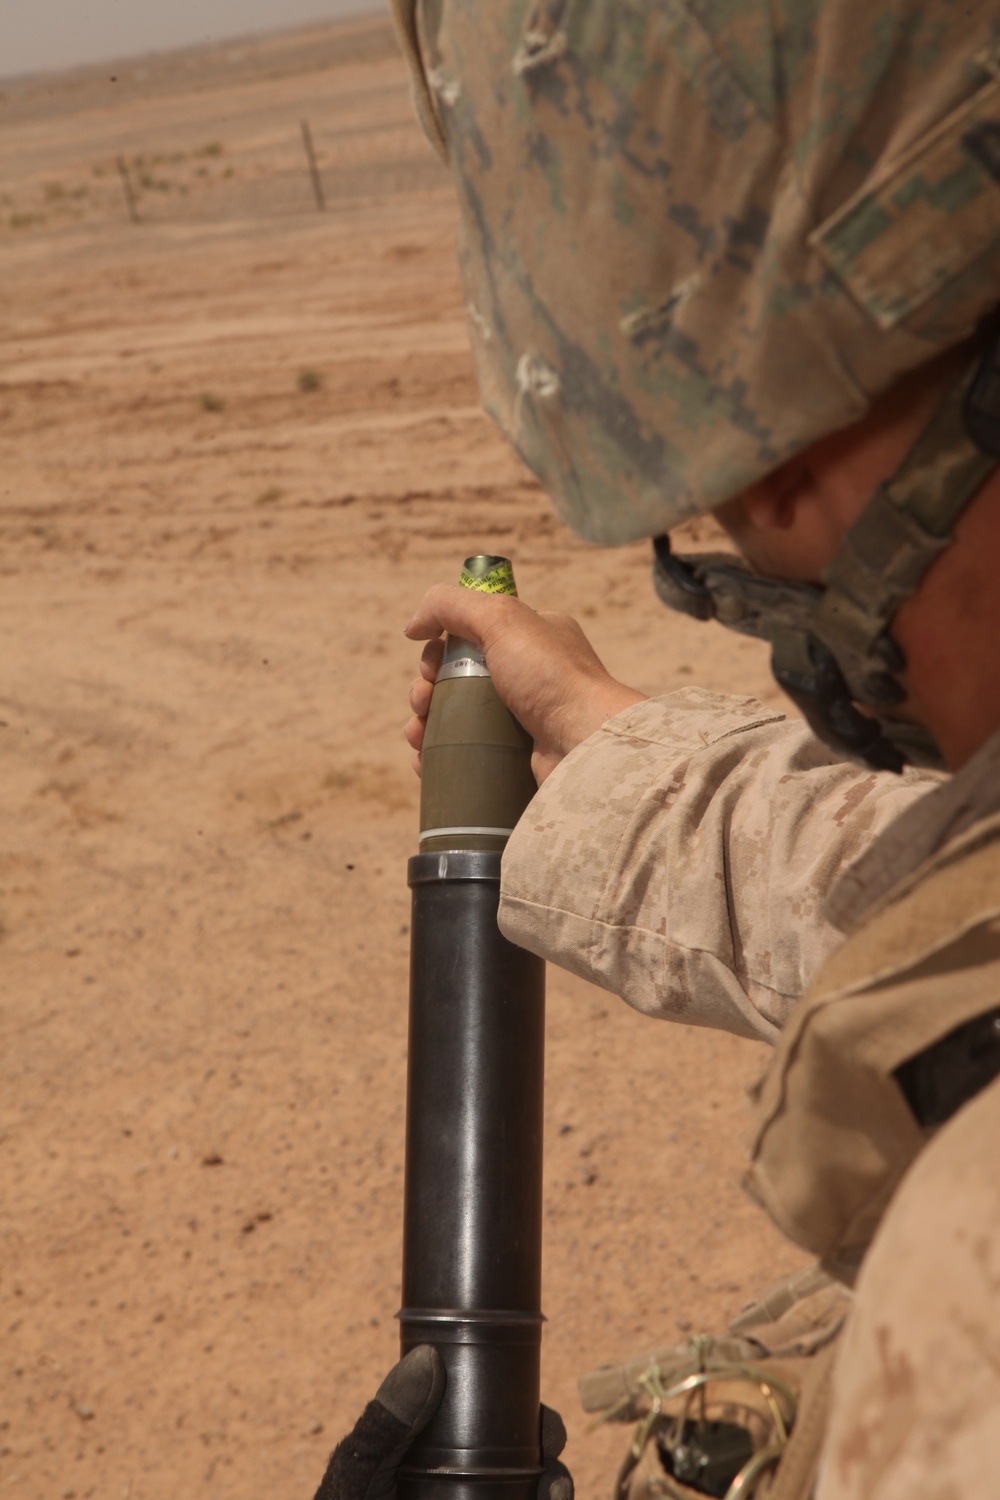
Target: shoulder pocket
[{"x": 925, "y": 220}]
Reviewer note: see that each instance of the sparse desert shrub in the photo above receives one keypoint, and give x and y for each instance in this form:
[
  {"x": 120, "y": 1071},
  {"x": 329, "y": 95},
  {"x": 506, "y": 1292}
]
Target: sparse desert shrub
[
  {"x": 211, "y": 402},
  {"x": 309, "y": 380}
]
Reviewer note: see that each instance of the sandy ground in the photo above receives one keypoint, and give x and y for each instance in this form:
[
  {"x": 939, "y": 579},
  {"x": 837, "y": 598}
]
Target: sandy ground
[{"x": 238, "y": 440}]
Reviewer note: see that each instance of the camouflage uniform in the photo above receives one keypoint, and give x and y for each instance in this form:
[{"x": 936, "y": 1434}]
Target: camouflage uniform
[
  {"x": 682, "y": 857},
  {"x": 705, "y": 859},
  {"x": 697, "y": 235},
  {"x": 916, "y": 1405}
]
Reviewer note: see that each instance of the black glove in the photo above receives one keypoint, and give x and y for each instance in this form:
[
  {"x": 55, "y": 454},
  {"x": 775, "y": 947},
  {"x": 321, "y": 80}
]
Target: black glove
[
  {"x": 556, "y": 1482},
  {"x": 363, "y": 1465}
]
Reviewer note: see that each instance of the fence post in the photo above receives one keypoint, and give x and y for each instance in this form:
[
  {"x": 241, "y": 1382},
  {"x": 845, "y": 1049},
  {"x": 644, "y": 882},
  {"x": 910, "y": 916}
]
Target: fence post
[
  {"x": 126, "y": 188},
  {"x": 313, "y": 168},
  {"x": 133, "y": 212}
]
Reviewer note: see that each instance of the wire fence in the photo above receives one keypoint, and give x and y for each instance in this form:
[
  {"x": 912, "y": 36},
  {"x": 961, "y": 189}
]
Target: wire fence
[
  {"x": 222, "y": 180},
  {"x": 309, "y": 122}
]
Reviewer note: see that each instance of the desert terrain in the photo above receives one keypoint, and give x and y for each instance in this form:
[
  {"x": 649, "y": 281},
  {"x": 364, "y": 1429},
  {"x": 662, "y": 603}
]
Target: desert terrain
[{"x": 239, "y": 437}]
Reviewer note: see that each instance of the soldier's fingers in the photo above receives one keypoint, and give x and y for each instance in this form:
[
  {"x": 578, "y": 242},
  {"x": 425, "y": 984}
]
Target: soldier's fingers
[
  {"x": 430, "y": 659},
  {"x": 363, "y": 1465},
  {"x": 437, "y": 612},
  {"x": 553, "y": 1432},
  {"x": 420, "y": 696},
  {"x": 556, "y": 1482},
  {"x": 464, "y": 612},
  {"x": 413, "y": 732}
]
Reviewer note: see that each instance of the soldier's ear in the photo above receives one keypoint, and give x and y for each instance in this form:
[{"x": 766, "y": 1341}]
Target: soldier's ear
[{"x": 772, "y": 504}]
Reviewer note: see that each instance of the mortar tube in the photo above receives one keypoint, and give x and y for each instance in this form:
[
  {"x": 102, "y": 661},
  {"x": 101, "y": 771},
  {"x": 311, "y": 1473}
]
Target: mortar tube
[{"x": 473, "y": 1174}]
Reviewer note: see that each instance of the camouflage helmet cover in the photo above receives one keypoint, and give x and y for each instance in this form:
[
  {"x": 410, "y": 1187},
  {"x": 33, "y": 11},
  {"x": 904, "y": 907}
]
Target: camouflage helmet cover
[{"x": 699, "y": 234}]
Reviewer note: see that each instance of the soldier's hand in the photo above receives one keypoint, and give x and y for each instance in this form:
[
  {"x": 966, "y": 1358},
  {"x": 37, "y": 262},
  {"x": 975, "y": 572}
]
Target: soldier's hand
[
  {"x": 556, "y": 1482},
  {"x": 364, "y": 1465},
  {"x": 542, "y": 665}
]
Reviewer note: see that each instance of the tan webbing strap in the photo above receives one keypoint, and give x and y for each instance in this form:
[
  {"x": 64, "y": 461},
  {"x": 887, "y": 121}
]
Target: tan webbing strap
[
  {"x": 901, "y": 531},
  {"x": 615, "y": 1389},
  {"x": 780, "y": 1299},
  {"x": 404, "y": 15},
  {"x": 796, "y": 1473}
]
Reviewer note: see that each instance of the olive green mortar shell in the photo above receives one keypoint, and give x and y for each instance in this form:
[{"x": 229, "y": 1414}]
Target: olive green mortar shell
[{"x": 476, "y": 776}]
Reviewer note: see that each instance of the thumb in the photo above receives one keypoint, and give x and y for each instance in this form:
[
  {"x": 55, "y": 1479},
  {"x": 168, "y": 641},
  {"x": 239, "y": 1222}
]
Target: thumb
[{"x": 363, "y": 1465}]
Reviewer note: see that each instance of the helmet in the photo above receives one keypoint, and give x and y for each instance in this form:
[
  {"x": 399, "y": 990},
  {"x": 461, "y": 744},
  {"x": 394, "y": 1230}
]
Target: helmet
[{"x": 697, "y": 236}]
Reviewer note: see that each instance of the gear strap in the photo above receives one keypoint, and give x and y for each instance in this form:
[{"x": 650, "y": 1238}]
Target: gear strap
[
  {"x": 719, "y": 586},
  {"x": 831, "y": 647},
  {"x": 799, "y": 1467},
  {"x": 404, "y": 16},
  {"x": 903, "y": 529}
]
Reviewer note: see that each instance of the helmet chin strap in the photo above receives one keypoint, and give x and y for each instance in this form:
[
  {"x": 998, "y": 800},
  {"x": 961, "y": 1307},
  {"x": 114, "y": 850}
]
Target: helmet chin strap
[{"x": 831, "y": 647}]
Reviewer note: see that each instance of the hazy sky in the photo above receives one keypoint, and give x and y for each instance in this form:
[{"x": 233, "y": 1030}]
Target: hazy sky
[{"x": 39, "y": 34}]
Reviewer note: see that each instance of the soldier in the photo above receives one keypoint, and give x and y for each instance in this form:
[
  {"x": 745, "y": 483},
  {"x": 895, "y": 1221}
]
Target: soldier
[{"x": 745, "y": 258}]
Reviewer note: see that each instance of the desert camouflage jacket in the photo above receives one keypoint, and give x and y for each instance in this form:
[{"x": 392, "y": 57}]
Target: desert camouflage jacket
[
  {"x": 697, "y": 857},
  {"x": 710, "y": 862}
]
